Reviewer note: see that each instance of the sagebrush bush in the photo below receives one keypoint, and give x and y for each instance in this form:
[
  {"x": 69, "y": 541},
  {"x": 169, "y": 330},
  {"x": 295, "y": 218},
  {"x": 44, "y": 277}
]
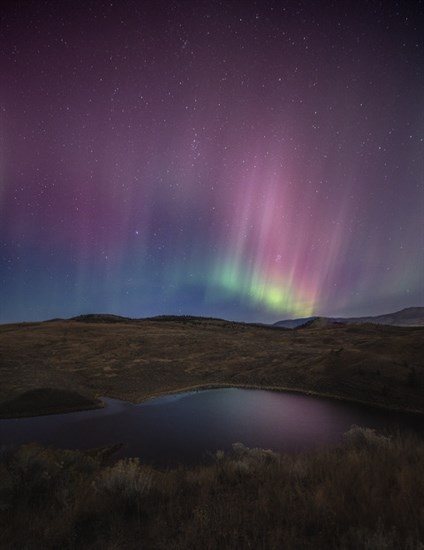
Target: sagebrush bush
[
  {"x": 125, "y": 480},
  {"x": 361, "y": 438}
]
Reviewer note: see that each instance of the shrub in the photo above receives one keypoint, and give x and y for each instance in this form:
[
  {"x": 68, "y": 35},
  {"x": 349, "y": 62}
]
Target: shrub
[
  {"x": 365, "y": 438},
  {"x": 125, "y": 480}
]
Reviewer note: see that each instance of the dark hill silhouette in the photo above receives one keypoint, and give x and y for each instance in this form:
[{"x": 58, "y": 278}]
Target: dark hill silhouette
[
  {"x": 321, "y": 322},
  {"x": 408, "y": 317},
  {"x": 100, "y": 318}
]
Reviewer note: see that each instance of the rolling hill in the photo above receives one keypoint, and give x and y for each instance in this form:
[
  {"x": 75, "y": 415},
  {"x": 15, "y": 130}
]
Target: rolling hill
[
  {"x": 94, "y": 356},
  {"x": 408, "y": 317}
]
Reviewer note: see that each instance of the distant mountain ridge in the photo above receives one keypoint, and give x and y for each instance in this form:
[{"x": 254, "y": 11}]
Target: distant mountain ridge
[{"x": 410, "y": 316}]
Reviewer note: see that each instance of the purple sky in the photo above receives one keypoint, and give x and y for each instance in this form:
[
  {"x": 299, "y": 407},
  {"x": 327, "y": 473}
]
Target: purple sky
[{"x": 247, "y": 160}]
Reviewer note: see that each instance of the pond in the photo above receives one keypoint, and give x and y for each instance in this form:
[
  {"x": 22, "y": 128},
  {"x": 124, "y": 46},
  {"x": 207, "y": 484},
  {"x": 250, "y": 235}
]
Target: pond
[{"x": 187, "y": 427}]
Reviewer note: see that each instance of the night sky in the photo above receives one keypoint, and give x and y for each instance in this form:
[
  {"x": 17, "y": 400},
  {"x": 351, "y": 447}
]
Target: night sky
[{"x": 247, "y": 160}]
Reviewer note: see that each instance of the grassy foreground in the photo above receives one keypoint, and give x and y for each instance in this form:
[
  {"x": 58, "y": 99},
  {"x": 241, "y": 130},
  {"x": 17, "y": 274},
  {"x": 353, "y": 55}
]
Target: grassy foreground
[
  {"x": 74, "y": 362},
  {"x": 366, "y": 494}
]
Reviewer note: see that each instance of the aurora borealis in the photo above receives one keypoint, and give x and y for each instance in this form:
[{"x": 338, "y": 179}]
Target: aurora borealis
[{"x": 247, "y": 160}]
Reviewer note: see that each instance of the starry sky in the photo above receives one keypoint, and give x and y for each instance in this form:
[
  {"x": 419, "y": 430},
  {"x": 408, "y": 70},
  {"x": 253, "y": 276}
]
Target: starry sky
[{"x": 247, "y": 160}]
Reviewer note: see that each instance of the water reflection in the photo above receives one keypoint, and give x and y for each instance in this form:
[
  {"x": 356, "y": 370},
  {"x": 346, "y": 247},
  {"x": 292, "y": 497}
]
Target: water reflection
[{"x": 186, "y": 427}]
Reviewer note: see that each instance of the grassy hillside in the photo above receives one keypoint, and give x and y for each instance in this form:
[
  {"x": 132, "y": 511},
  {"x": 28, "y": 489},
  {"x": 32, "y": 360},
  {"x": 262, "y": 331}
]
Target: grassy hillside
[{"x": 98, "y": 356}]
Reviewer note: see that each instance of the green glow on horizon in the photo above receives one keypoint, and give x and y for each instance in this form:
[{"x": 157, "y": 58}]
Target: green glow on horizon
[{"x": 254, "y": 289}]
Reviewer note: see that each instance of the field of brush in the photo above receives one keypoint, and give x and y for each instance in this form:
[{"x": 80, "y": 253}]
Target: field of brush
[{"x": 365, "y": 494}]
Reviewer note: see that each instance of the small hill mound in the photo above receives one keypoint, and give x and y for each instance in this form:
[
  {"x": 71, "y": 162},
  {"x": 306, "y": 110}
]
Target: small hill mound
[
  {"x": 46, "y": 401},
  {"x": 320, "y": 322},
  {"x": 100, "y": 318},
  {"x": 294, "y": 323}
]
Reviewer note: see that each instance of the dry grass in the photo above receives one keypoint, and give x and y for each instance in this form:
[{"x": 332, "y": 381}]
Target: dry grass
[
  {"x": 134, "y": 360},
  {"x": 365, "y": 494}
]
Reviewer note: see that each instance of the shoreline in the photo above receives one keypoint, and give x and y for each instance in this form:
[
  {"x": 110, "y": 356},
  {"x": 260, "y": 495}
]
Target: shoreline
[
  {"x": 212, "y": 386},
  {"x": 283, "y": 389}
]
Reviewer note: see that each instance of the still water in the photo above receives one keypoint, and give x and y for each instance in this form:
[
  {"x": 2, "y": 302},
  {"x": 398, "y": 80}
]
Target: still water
[{"x": 188, "y": 427}]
